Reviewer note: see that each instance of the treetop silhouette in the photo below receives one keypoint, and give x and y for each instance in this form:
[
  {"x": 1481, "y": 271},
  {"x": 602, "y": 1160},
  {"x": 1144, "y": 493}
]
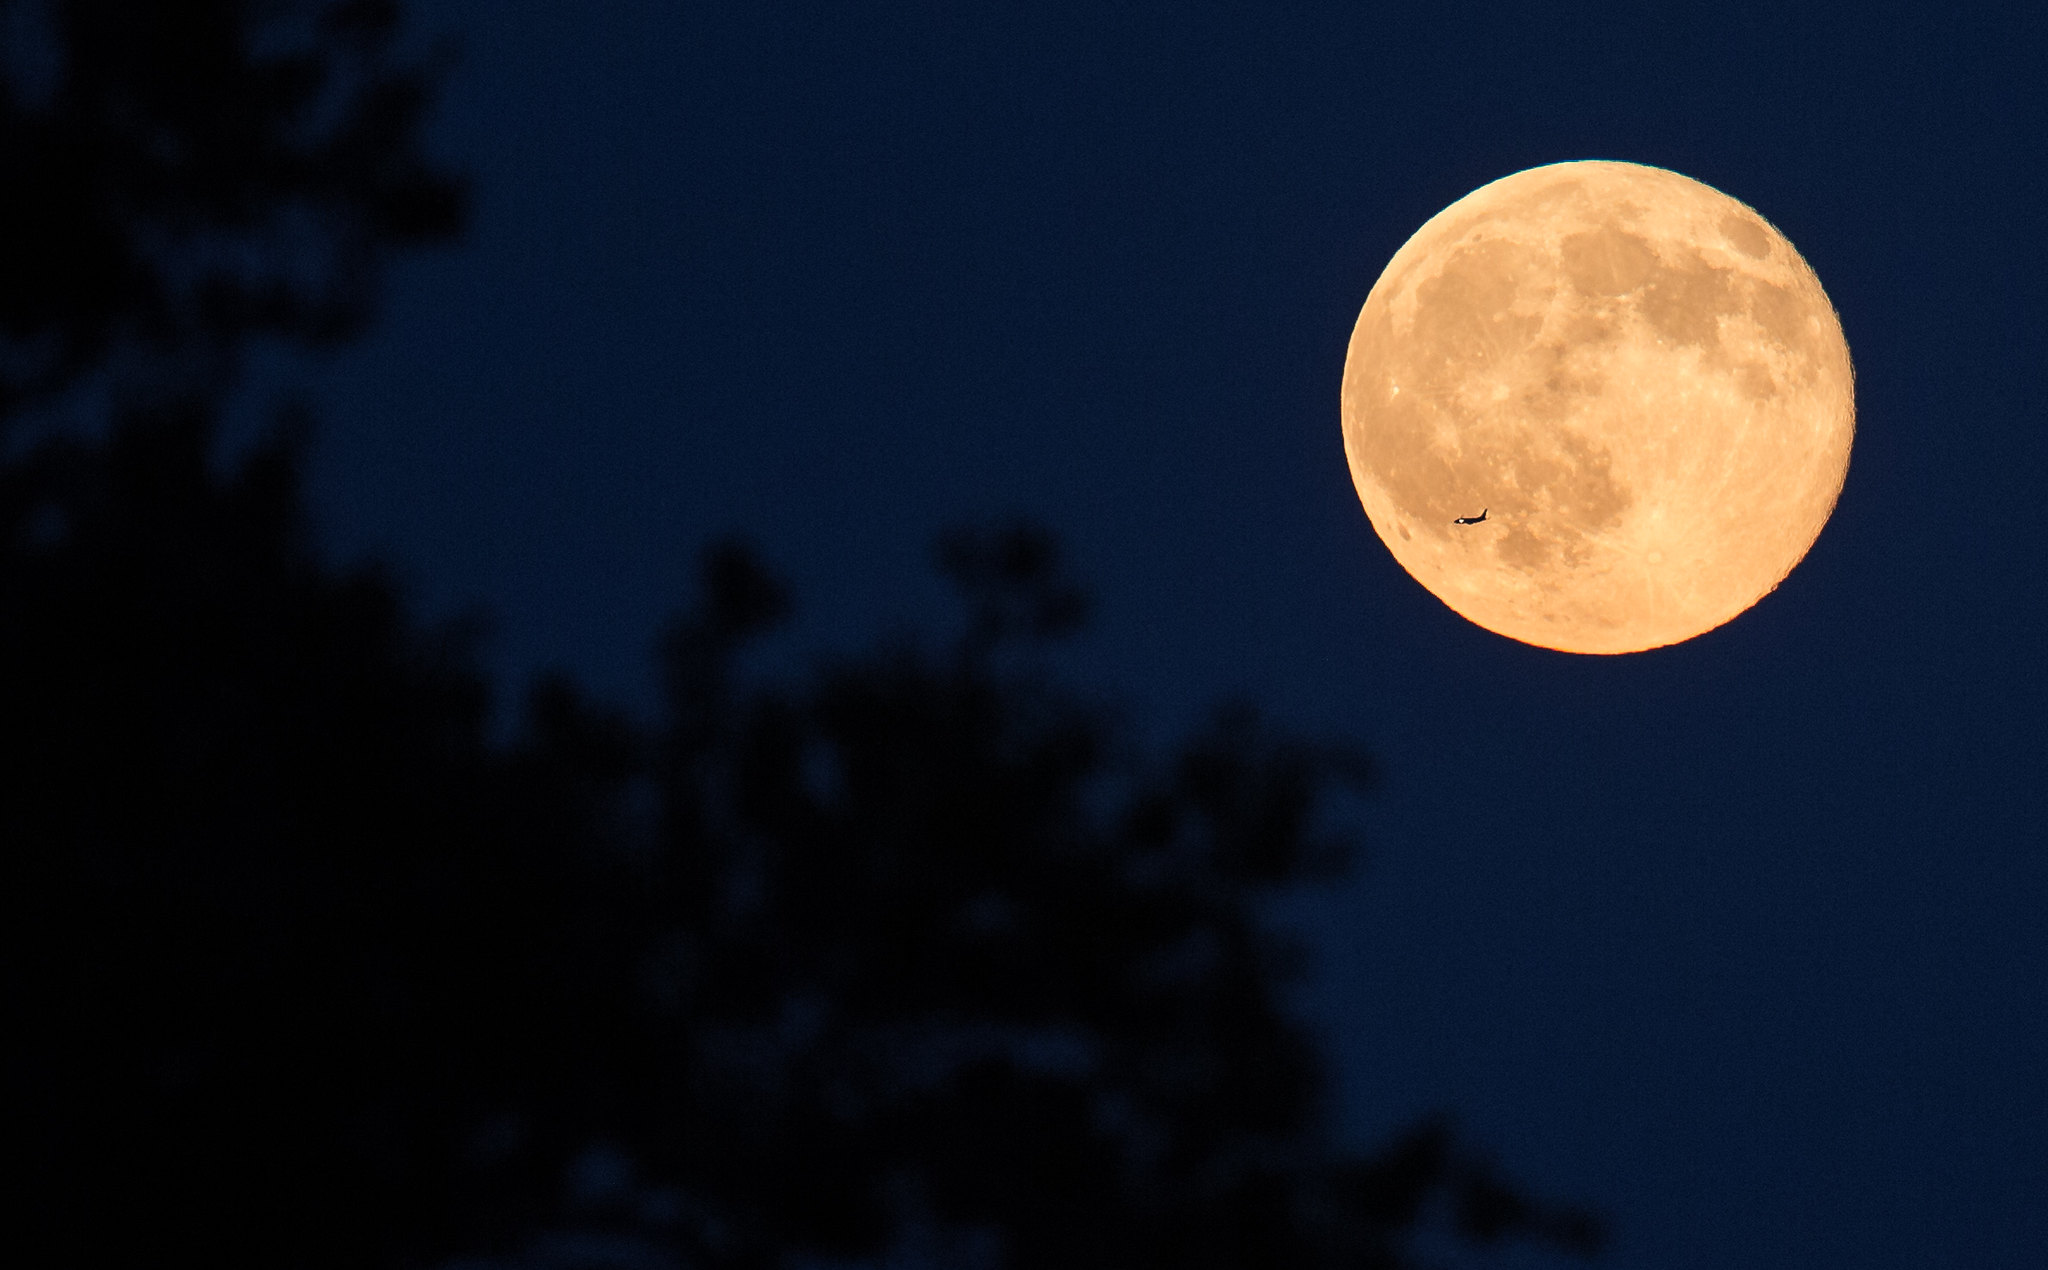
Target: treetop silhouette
[{"x": 189, "y": 175}]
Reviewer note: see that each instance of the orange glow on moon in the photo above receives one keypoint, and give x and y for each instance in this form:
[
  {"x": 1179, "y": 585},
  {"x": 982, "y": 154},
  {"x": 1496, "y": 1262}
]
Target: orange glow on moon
[{"x": 1635, "y": 377}]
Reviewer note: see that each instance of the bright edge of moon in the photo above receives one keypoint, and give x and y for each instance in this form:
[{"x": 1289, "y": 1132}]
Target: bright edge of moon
[{"x": 1636, "y": 379}]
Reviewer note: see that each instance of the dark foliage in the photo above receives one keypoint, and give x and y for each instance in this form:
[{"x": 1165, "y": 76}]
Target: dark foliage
[
  {"x": 306, "y": 972},
  {"x": 302, "y": 970},
  {"x": 281, "y": 931},
  {"x": 186, "y": 175},
  {"x": 942, "y": 969}
]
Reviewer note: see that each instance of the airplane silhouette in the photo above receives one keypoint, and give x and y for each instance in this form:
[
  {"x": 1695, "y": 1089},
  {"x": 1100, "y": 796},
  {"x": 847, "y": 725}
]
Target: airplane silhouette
[{"x": 1472, "y": 520}]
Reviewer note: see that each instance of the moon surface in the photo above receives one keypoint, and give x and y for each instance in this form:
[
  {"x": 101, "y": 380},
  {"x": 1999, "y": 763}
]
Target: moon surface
[{"x": 1637, "y": 380}]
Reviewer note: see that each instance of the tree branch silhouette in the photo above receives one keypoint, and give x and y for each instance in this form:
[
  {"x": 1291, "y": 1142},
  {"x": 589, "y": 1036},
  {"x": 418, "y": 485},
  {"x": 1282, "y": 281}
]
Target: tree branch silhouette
[{"x": 192, "y": 175}]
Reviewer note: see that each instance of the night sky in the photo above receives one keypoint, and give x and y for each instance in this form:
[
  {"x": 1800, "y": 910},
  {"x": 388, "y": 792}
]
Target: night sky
[{"x": 1744, "y": 941}]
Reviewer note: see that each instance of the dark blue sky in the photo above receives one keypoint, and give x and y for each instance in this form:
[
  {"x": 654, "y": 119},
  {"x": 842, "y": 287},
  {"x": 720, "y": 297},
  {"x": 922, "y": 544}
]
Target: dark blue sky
[{"x": 1745, "y": 940}]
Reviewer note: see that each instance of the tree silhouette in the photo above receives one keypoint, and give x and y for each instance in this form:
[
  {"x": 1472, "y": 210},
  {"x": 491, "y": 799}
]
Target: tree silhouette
[
  {"x": 909, "y": 957},
  {"x": 279, "y": 920},
  {"x": 186, "y": 176},
  {"x": 945, "y": 969}
]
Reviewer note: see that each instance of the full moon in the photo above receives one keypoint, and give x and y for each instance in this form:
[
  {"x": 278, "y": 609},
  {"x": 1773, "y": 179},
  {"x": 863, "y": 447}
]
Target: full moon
[{"x": 1631, "y": 376}]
